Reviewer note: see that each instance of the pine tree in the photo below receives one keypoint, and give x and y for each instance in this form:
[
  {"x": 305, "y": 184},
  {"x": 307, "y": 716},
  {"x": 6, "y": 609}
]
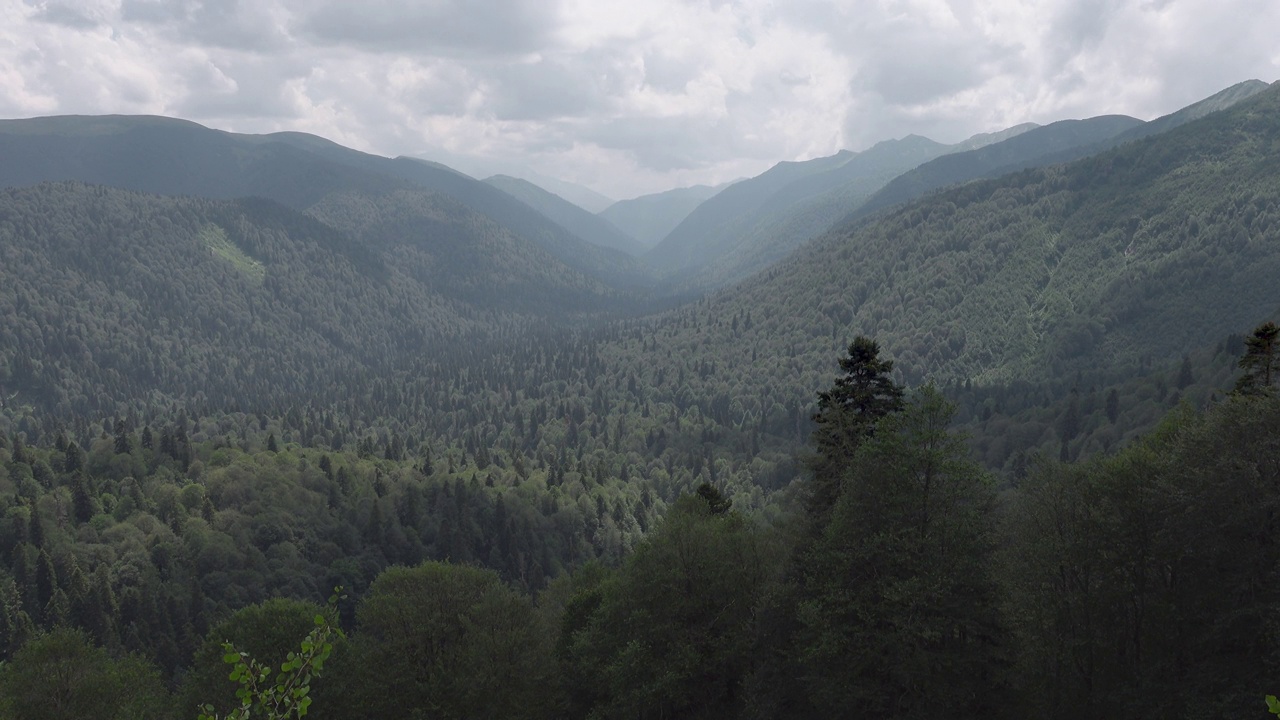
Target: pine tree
[
  {"x": 1260, "y": 364},
  {"x": 847, "y": 415}
]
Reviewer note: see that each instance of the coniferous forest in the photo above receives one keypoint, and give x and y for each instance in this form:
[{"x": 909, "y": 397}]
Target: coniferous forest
[{"x": 1008, "y": 449}]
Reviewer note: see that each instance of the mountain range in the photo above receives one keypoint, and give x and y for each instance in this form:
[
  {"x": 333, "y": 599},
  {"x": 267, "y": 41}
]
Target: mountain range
[
  {"x": 174, "y": 157},
  {"x": 347, "y": 272}
]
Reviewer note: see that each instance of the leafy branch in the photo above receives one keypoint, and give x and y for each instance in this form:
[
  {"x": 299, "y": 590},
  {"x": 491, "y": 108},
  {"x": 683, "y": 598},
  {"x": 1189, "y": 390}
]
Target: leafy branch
[{"x": 289, "y": 693}]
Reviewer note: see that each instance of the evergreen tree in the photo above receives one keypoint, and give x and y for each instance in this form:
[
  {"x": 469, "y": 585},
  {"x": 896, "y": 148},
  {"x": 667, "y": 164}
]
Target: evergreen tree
[
  {"x": 847, "y": 415},
  {"x": 1260, "y": 363},
  {"x": 123, "y": 445}
]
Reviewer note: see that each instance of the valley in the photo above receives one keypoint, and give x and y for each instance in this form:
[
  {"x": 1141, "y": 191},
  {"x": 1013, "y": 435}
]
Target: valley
[{"x": 237, "y": 371}]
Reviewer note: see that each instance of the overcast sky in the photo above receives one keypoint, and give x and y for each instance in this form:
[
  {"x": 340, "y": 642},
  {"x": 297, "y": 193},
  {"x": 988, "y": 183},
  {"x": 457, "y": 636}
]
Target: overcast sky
[{"x": 627, "y": 96}]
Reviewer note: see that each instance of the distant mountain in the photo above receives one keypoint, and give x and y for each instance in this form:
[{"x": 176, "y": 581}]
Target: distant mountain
[
  {"x": 982, "y": 140},
  {"x": 1218, "y": 101},
  {"x": 589, "y": 227},
  {"x": 1017, "y": 153},
  {"x": 1058, "y": 142},
  {"x": 650, "y": 218},
  {"x": 580, "y": 195},
  {"x": 176, "y": 157},
  {"x": 756, "y": 221}
]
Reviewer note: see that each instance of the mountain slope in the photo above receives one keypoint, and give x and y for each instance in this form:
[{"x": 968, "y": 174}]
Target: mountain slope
[
  {"x": 1017, "y": 153},
  {"x": 163, "y": 155},
  {"x": 1087, "y": 270},
  {"x": 592, "y": 228},
  {"x": 717, "y": 226},
  {"x": 790, "y": 205},
  {"x": 580, "y": 195},
  {"x": 1049, "y": 145},
  {"x": 117, "y": 294},
  {"x": 650, "y": 218}
]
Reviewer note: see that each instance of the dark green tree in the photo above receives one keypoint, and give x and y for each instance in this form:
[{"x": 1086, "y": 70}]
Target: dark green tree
[
  {"x": 62, "y": 675},
  {"x": 123, "y": 444},
  {"x": 268, "y": 632},
  {"x": 898, "y": 609},
  {"x": 847, "y": 415},
  {"x": 1259, "y": 362},
  {"x": 462, "y": 645},
  {"x": 671, "y": 634}
]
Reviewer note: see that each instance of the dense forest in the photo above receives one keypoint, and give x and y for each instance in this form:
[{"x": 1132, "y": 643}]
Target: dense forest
[
  {"x": 1045, "y": 489},
  {"x": 899, "y": 580}
]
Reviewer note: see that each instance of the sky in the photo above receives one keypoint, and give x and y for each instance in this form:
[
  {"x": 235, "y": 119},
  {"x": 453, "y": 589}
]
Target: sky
[{"x": 627, "y": 96}]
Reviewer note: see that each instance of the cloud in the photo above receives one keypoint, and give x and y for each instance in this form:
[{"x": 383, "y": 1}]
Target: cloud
[
  {"x": 434, "y": 27},
  {"x": 628, "y": 96}
]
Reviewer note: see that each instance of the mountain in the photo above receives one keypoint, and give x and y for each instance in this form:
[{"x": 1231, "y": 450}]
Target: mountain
[
  {"x": 982, "y": 140},
  {"x": 176, "y": 157},
  {"x": 1055, "y": 143},
  {"x": 249, "y": 299},
  {"x": 580, "y": 195},
  {"x": 592, "y": 228},
  {"x": 649, "y": 218},
  {"x": 1218, "y": 101},
  {"x": 715, "y": 232},
  {"x": 1078, "y": 271},
  {"x": 1023, "y": 151}
]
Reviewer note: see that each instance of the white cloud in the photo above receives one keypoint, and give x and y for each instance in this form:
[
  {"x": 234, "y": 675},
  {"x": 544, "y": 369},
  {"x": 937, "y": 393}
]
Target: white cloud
[{"x": 627, "y": 96}]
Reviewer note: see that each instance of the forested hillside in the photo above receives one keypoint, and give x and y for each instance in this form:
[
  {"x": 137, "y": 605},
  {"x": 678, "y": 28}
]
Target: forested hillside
[
  {"x": 1134, "y": 255},
  {"x": 1059, "y": 142},
  {"x": 175, "y": 157},
  {"x": 737, "y": 229}
]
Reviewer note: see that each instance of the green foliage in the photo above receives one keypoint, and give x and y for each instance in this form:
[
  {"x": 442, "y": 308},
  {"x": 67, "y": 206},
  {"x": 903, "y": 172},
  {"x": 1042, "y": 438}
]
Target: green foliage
[
  {"x": 847, "y": 415},
  {"x": 61, "y": 674},
  {"x": 266, "y": 631},
  {"x": 671, "y": 633},
  {"x": 1261, "y": 360},
  {"x": 1133, "y": 582},
  {"x": 899, "y": 591},
  {"x": 444, "y": 641},
  {"x": 272, "y": 695}
]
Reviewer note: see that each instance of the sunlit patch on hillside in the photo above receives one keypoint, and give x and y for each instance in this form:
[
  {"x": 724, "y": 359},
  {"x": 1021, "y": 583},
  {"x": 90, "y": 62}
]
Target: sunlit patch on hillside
[{"x": 215, "y": 238}]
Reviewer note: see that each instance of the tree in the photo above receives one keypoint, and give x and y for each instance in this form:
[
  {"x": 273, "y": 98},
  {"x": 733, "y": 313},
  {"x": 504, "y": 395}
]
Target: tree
[
  {"x": 671, "y": 634},
  {"x": 270, "y": 695},
  {"x": 847, "y": 415},
  {"x": 1185, "y": 374},
  {"x": 62, "y": 675},
  {"x": 898, "y": 605},
  {"x": 267, "y": 631},
  {"x": 443, "y": 641},
  {"x": 1259, "y": 361}
]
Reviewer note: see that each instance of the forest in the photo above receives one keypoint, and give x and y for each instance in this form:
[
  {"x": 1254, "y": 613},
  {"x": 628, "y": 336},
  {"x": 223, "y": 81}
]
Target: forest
[
  {"x": 1011, "y": 449},
  {"x": 900, "y": 579}
]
